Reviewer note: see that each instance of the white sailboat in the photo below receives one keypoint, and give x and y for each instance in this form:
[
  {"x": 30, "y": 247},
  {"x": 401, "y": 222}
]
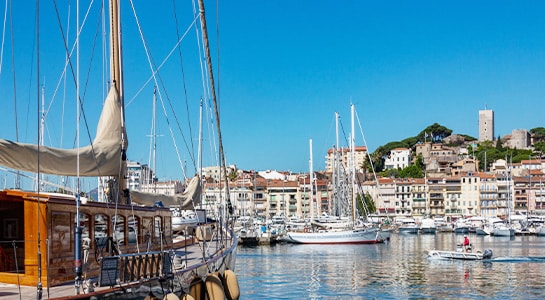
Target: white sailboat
[
  {"x": 351, "y": 233},
  {"x": 113, "y": 247},
  {"x": 505, "y": 228}
]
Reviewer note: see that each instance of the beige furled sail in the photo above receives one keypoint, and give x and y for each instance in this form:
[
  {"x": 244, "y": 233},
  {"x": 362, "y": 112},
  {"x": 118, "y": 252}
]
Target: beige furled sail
[
  {"x": 186, "y": 200},
  {"x": 102, "y": 158}
]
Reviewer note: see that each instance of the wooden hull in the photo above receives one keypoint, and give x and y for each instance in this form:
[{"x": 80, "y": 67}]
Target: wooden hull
[{"x": 42, "y": 228}]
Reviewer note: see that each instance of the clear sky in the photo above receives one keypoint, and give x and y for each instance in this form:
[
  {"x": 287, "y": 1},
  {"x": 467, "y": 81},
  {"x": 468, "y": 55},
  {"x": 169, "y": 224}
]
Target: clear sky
[{"x": 287, "y": 66}]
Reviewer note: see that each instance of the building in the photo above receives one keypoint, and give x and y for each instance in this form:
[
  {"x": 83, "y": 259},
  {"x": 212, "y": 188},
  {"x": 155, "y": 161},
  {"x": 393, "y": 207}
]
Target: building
[
  {"x": 486, "y": 125},
  {"x": 360, "y": 154},
  {"x": 520, "y": 139},
  {"x": 399, "y": 158}
]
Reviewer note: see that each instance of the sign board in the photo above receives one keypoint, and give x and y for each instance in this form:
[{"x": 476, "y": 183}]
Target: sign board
[{"x": 108, "y": 271}]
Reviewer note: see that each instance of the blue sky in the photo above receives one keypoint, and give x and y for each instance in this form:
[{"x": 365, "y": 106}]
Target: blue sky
[
  {"x": 404, "y": 64},
  {"x": 287, "y": 66}
]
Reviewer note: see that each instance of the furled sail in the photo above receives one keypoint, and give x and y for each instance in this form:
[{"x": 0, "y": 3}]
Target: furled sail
[
  {"x": 186, "y": 200},
  {"x": 102, "y": 158}
]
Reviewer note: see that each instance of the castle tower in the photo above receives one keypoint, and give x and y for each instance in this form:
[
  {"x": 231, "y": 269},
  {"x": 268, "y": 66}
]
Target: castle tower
[{"x": 486, "y": 125}]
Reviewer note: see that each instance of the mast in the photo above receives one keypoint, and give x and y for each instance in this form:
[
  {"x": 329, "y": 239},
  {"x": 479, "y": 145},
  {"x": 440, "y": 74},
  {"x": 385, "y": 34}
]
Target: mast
[
  {"x": 311, "y": 175},
  {"x": 214, "y": 100},
  {"x": 352, "y": 164},
  {"x": 116, "y": 64},
  {"x": 336, "y": 168}
]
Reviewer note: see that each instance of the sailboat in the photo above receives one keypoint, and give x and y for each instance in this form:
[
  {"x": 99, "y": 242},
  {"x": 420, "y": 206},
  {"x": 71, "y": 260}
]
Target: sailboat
[
  {"x": 352, "y": 232},
  {"x": 505, "y": 228},
  {"x": 78, "y": 248}
]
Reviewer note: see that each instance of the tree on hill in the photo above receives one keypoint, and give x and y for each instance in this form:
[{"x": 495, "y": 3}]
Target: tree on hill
[
  {"x": 539, "y": 147},
  {"x": 435, "y": 132},
  {"x": 538, "y": 133}
]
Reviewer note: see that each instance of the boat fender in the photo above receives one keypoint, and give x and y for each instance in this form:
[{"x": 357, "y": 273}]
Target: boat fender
[
  {"x": 214, "y": 288},
  {"x": 196, "y": 289},
  {"x": 187, "y": 297},
  {"x": 171, "y": 296},
  {"x": 230, "y": 285},
  {"x": 150, "y": 296}
]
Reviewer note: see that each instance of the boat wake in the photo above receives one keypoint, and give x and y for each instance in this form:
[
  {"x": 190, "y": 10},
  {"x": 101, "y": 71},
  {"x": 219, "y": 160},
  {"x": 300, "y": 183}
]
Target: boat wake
[{"x": 516, "y": 259}]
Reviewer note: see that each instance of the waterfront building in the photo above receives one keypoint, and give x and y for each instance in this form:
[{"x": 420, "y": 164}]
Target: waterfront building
[
  {"x": 282, "y": 197},
  {"x": 489, "y": 194},
  {"x": 403, "y": 197},
  {"x": 419, "y": 195},
  {"x": 436, "y": 194},
  {"x": 455, "y": 207},
  {"x": 486, "y": 125},
  {"x": 469, "y": 182}
]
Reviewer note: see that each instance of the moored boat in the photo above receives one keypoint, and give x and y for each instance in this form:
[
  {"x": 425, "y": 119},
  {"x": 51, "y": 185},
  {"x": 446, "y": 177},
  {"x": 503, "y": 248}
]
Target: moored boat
[{"x": 81, "y": 249}]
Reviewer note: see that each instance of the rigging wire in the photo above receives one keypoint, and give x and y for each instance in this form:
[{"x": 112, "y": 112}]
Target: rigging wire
[
  {"x": 156, "y": 74},
  {"x": 183, "y": 72}
]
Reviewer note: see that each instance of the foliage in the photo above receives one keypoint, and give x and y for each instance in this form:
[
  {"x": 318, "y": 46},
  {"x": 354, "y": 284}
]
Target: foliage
[
  {"x": 539, "y": 134},
  {"x": 539, "y": 147},
  {"x": 412, "y": 171},
  {"x": 232, "y": 176},
  {"x": 365, "y": 204},
  {"x": 435, "y": 132}
]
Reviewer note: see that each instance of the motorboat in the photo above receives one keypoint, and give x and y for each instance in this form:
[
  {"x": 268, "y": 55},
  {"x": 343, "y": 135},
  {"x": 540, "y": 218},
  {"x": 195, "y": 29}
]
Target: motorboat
[
  {"x": 460, "y": 254},
  {"x": 408, "y": 226}
]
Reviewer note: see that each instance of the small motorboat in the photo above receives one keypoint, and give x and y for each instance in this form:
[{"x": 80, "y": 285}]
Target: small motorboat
[{"x": 460, "y": 253}]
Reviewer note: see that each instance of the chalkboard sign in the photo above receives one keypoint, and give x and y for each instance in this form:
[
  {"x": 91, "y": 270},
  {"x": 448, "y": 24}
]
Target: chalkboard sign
[
  {"x": 108, "y": 271},
  {"x": 167, "y": 270}
]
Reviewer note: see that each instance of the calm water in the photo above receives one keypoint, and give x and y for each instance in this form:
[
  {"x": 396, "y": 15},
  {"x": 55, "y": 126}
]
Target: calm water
[{"x": 398, "y": 269}]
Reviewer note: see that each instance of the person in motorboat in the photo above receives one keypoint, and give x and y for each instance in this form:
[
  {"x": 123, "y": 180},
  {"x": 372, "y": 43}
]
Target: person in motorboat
[{"x": 467, "y": 244}]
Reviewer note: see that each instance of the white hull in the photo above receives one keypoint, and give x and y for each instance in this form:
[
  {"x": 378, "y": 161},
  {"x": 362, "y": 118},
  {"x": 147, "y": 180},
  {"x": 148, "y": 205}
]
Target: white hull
[
  {"x": 459, "y": 255},
  {"x": 504, "y": 231},
  {"x": 360, "y": 236}
]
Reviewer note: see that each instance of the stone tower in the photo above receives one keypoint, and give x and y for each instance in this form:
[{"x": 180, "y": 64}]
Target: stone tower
[{"x": 486, "y": 125}]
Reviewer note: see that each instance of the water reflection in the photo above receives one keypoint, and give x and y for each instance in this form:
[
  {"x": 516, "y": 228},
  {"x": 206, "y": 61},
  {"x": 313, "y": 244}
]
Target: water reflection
[{"x": 398, "y": 269}]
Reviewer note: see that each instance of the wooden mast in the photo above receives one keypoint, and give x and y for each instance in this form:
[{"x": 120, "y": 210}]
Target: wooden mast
[{"x": 116, "y": 64}]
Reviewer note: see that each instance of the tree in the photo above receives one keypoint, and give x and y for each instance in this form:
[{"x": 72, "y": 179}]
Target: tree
[
  {"x": 365, "y": 204},
  {"x": 435, "y": 132},
  {"x": 412, "y": 171},
  {"x": 538, "y": 133}
]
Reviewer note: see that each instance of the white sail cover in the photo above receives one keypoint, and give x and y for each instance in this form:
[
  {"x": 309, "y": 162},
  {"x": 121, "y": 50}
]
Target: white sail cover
[
  {"x": 186, "y": 200},
  {"x": 103, "y": 158}
]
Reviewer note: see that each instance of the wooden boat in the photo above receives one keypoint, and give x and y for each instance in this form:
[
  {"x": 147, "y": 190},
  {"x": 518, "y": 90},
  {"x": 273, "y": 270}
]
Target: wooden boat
[
  {"x": 81, "y": 249},
  {"x": 460, "y": 254}
]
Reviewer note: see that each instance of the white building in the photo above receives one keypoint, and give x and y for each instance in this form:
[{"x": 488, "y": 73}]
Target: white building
[{"x": 399, "y": 158}]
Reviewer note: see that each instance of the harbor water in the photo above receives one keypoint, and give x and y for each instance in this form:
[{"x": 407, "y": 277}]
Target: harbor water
[{"x": 398, "y": 269}]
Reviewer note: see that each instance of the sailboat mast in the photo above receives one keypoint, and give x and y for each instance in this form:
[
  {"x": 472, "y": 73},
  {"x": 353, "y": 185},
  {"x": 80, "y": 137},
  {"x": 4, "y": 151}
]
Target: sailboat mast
[
  {"x": 116, "y": 64},
  {"x": 311, "y": 175},
  {"x": 352, "y": 163},
  {"x": 214, "y": 100},
  {"x": 336, "y": 168}
]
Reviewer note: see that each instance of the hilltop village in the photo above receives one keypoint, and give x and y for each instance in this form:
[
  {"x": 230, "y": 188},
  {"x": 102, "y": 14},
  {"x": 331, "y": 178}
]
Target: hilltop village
[{"x": 453, "y": 184}]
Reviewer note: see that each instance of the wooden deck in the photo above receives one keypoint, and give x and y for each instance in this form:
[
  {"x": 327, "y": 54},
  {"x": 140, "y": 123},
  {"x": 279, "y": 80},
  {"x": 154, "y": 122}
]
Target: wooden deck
[{"x": 191, "y": 264}]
